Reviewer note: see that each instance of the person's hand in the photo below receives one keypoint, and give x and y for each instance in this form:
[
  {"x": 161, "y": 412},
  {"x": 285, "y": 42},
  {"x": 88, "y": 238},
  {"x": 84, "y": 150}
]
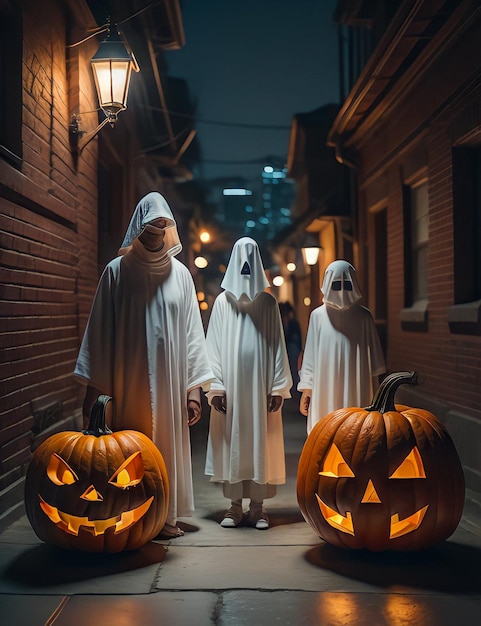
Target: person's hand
[
  {"x": 194, "y": 407},
  {"x": 304, "y": 403},
  {"x": 194, "y": 411},
  {"x": 274, "y": 403},
  {"x": 218, "y": 402}
]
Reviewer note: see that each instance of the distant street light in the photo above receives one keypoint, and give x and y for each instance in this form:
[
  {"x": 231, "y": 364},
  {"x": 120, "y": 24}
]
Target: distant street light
[
  {"x": 201, "y": 262},
  {"x": 204, "y": 236}
]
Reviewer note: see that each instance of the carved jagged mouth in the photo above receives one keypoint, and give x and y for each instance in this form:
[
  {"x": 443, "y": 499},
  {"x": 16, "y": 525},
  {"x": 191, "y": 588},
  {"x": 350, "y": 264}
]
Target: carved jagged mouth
[
  {"x": 72, "y": 523},
  {"x": 398, "y": 527}
]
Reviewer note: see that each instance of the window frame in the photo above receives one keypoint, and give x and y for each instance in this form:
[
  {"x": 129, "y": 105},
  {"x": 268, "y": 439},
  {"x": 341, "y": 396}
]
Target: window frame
[
  {"x": 414, "y": 315},
  {"x": 464, "y": 316}
]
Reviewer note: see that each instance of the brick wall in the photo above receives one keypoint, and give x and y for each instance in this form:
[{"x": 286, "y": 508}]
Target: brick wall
[
  {"x": 48, "y": 239},
  {"x": 416, "y": 138}
]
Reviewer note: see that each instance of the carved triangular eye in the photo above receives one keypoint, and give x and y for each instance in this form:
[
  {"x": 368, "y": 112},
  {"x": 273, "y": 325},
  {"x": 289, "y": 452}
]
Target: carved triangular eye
[
  {"x": 411, "y": 467},
  {"x": 335, "y": 466},
  {"x": 60, "y": 472},
  {"x": 130, "y": 473}
]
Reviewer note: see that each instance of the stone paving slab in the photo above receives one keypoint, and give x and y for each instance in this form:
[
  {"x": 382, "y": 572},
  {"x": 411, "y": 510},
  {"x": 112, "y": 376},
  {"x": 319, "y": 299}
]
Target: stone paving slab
[
  {"x": 299, "y": 608},
  {"x": 249, "y": 567},
  {"x": 173, "y": 609},
  {"x": 32, "y": 611},
  {"x": 241, "y": 608},
  {"x": 43, "y": 569}
]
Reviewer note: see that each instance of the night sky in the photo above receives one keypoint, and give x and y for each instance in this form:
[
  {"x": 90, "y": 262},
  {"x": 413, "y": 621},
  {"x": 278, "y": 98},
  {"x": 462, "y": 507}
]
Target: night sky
[{"x": 256, "y": 62}]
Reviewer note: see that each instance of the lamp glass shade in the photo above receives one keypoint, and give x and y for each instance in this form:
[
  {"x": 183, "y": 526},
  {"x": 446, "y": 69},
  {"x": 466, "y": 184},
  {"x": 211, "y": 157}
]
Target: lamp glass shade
[
  {"x": 311, "y": 255},
  {"x": 112, "y": 66}
]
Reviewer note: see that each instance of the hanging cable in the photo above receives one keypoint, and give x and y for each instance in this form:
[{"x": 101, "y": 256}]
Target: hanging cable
[
  {"x": 217, "y": 122},
  {"x": 106, "y": 27},
  {"x": 95, "y": 32},
  {"x": 151, "y": 5},
  {"x": 164, "y": 143}
]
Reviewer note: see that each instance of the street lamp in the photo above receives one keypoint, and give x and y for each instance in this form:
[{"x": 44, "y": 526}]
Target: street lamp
[
  {"x": 112, "y": 66},
  {"x": 311, "y": 249}
]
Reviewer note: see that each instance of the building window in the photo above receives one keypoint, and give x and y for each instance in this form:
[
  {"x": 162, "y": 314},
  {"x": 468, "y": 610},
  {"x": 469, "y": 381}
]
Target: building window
[
  {"x": 378, "y": 259},
  {"x": 11, "y": 43},
  {"x": 416, "y": 229},
  {"x": 467, "y": 224},
  {"x": 465, "y": 315}
]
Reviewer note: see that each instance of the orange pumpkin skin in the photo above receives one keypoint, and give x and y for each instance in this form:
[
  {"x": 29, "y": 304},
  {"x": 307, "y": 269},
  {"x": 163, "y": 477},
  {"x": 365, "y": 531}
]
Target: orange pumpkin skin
[
  {"x": 79, "y": 484},
  {"x": 387, "y": 479}
]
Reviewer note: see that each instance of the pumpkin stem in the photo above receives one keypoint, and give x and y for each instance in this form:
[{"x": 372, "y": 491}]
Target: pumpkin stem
[
  {"x": 383, "y": 400},
  {"x": 97, "y": 424}
]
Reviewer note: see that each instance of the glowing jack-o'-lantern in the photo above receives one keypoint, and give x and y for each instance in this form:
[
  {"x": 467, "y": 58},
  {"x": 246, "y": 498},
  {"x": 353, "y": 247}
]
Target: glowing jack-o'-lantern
[
  {"x": 381, "y": 478},
  {"x": 96, "y": 490}
]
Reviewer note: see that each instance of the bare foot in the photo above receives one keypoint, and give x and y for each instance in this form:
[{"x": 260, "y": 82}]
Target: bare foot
[{"x": 170, "y": 532}]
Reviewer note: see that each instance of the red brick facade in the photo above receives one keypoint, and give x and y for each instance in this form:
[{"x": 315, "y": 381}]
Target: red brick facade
[
  {"x": 403, "y": 130},
  {"x": 48, "y": 225}
]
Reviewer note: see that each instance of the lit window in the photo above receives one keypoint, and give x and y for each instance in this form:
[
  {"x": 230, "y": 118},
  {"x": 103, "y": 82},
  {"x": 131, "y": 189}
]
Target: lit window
[{"x": 237, "y": 192}]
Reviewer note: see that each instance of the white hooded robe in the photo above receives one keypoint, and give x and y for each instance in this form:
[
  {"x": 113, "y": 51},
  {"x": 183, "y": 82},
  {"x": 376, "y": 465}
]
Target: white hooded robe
[
  {"x": 246, "y": 347},
  {"x": 144, "y": 345},
  {"x": 342, "y": 353}
]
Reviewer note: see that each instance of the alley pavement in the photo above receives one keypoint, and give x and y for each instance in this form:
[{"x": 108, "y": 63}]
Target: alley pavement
[{"x": 214, "y": 576}]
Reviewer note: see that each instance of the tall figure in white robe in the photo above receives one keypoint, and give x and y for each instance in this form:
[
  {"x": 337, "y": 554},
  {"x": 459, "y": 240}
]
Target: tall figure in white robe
[
  {"x": 343, "y": 357},
  {"x": 247, "y": 352},
  {"x": 144, "y": 345}
]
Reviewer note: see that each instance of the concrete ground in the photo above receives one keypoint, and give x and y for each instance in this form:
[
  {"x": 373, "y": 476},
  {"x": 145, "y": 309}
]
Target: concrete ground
[{"x": 231, "y": 577}]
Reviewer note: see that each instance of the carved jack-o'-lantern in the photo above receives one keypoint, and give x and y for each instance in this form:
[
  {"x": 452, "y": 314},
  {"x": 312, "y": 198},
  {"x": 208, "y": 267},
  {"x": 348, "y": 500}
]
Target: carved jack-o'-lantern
[
  {"x": 381, "y": 478},
  {"x": 96, "y": 490}
]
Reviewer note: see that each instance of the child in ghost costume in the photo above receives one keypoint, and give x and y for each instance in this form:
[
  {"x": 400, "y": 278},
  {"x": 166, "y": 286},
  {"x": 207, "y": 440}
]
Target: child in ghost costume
[
  {"x": 342, "y": 356},
  {"x": 144, "y": 345},
  {"x": 247, "y": 352}
]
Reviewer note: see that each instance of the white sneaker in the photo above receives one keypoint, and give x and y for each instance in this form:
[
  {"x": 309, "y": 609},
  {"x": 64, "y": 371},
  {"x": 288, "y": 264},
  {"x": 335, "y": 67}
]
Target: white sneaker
[
  {"x": 232, "y": 518},
  {"x": 263, "y": 522},
  {"x": 258, "y": 517}
]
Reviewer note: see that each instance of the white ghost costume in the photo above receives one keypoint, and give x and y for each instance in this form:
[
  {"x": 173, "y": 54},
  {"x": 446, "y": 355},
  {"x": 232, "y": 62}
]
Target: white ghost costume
[
  {"x": 144, "y": 345},
  {"x": 247, "y": 352},
  {"x": 342, "y": 353}
]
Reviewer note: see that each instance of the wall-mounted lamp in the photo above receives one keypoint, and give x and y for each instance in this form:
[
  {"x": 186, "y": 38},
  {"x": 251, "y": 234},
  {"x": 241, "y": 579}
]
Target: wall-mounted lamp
[
  {"x": 311, "y": 248},
  {"x": 112, "y": 66}
]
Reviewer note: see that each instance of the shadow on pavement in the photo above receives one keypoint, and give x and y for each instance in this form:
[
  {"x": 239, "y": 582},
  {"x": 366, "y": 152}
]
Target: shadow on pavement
[
  {"x": 46, "y": 565},
  {"x": 450, "y": 567}
]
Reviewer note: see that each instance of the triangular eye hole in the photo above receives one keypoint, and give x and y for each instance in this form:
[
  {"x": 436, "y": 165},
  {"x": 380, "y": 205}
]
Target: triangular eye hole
[
  {"x": 335, "y": 466},
  {"x": 130, "y": 473},
  {"x": 60, "y": 472},
  {"x": 411, "y": 467}
]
